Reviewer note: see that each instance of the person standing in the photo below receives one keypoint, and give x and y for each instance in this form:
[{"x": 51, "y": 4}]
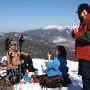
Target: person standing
[
  {"x": 18, "y": 62},
  {"x": 82, "y": 51},
  {"x": 15, "y": 58}
]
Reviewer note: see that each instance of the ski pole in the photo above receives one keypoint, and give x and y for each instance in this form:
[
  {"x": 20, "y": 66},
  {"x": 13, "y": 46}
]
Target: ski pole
[{"x": 20, "y": 46}]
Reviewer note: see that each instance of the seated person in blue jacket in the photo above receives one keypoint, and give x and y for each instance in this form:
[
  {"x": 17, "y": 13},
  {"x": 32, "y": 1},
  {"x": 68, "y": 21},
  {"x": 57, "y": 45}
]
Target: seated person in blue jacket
[{"x": 59, "y": 64}]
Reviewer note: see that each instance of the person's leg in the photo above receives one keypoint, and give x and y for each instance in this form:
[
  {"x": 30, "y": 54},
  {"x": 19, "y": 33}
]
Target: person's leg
[
  {"x": 86, "y": 74},
  {"x": 66, "y": 81},
  {"x": 86, "y": 84},
  {"x": 80, "y": 67}
]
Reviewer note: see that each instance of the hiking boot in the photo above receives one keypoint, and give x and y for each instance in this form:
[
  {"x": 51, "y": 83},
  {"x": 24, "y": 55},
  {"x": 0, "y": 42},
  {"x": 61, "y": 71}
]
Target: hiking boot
[{"x": 66, "y": 81}]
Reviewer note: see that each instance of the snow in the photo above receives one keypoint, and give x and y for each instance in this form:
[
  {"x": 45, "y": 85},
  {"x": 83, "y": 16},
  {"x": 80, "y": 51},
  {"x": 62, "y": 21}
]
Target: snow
[
  {"x": 53, "y": 27},
  {"x": 3, "y": 58},
  {"x": 41, "y": 65},
  {"x": 59, "y": 27},
  {"x": 59, "y": 39}
]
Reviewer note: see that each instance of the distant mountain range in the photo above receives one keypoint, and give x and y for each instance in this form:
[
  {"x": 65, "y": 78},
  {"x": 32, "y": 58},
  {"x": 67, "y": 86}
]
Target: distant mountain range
[
  {"x": 41, "y": 41},
  {"x": 1, "y": 33},
  {"x": 55, "y": 34}
]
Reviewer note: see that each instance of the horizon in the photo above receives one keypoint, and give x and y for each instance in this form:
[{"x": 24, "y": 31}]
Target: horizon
[
  {"x": 45, "y": 28},
  {"x": 22, "y": 15}
]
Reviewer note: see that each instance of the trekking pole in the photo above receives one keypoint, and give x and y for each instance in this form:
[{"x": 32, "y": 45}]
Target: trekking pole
[
  {"x": 20, "y": 46},
  {"x": 10, "y": 56}
]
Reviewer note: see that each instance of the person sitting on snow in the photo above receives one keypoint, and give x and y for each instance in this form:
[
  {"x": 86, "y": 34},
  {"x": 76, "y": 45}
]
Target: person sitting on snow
[{"x": 59, "y": 64}]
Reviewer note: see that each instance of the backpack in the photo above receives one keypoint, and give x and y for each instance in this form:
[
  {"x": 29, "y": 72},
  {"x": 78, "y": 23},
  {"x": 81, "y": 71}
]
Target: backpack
[
  {"x": 48, "y": 81},
  {"x": 28, "y": 63},
  {"x": 52, "y": 82},
  {"x": 85, "y": 38}
]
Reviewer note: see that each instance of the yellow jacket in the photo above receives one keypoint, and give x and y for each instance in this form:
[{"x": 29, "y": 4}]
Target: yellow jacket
[{"x": 15, "y": 61}]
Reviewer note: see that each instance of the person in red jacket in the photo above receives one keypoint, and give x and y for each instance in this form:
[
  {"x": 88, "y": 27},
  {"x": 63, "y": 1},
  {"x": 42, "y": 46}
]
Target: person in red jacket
[{"x": 82, "y": 51}]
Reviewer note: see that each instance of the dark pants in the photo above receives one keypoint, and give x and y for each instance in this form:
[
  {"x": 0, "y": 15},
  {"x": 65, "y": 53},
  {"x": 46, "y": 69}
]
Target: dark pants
[
  {"x": 84, "y": 71},
  {"x": 14, "y": 76},
  {"x": 86, "y": 84}
]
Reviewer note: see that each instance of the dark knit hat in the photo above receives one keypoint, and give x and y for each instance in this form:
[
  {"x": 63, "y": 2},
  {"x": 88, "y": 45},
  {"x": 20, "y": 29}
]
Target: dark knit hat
[
  {"x": 82, "y": 7},
  {"x": 61, "y": 48},
  {"x": 62, "y": 51}
]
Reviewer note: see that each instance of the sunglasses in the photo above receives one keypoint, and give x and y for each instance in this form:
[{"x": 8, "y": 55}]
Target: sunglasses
[{"x": 13, "y": 45}]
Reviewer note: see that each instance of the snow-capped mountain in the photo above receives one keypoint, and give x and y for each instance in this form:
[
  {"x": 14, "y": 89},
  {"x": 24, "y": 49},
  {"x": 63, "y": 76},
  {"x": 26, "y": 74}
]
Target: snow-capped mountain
[
  {"x": 59, "y": 27},
  {"x": 1, "y": 33},
  {"x": 56, "y": 34},
  {"x": 53, "y": 27}
]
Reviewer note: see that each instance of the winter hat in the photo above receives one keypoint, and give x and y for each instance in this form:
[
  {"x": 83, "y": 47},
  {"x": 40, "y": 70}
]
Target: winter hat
[
  {"x": 61, "y": 48},
  {"x": 13, "y": 42},
  {"x": 62, "y": 51},
  {"x": 82, "y": 7}
]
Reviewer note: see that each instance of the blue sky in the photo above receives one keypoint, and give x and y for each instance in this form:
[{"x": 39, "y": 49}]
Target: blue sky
[{"x": 22, "y": 15}]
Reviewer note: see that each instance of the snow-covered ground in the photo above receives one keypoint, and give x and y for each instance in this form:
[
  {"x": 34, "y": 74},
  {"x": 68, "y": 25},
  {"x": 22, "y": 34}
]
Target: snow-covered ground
[{"x": 41, "y": 66}]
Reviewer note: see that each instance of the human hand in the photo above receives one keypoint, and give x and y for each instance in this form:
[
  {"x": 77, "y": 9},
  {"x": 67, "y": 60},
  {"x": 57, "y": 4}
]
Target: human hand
[
  {"x": 10, "y": 66},
  {"x": 49, "y": 56},
  {"x": 75, "y": 30},
  {"x": 1, "y": 68},
  {"x": 22, "y": 61}
]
